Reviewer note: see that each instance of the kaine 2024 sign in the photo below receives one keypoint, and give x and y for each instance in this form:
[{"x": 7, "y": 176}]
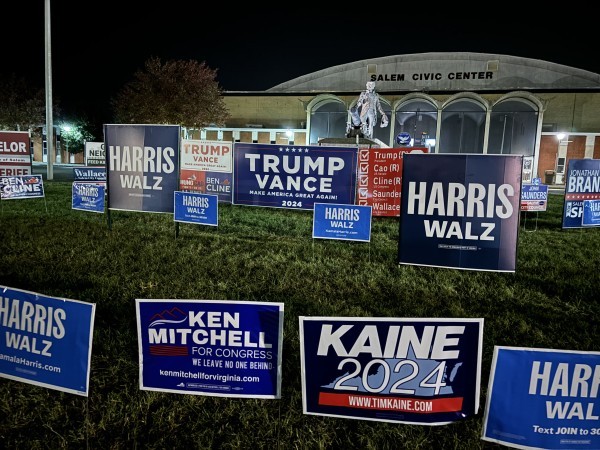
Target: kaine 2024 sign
[
  {"x": 460, "y": 211},
  {"x": 218, "y": 348},
  {"x": 543, "y": 398},
  {"x": 414, "y": 371},
  {"x": 294, "y": 177},
  {"x": 143, "y": 161}
]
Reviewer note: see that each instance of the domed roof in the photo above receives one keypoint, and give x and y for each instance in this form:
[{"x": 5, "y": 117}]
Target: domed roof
[{"x": 453, "y": 71}]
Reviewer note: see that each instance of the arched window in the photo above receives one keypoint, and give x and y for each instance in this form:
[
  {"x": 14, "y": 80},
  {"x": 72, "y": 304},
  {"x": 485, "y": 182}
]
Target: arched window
[
  {"x": 418, "y": 118},
  {"x": 463, "y": 127},
  {"x": 327, "y": 120},
  {"x": 513, "y": 127}
]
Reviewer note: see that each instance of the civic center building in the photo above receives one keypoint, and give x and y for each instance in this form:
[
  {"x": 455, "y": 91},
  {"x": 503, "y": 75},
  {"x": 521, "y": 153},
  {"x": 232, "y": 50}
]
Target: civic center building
[{"x": 450, "y": 102}]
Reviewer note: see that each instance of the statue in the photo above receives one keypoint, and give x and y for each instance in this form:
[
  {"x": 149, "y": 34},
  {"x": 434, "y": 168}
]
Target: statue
[{"x": 364, "y": 113}]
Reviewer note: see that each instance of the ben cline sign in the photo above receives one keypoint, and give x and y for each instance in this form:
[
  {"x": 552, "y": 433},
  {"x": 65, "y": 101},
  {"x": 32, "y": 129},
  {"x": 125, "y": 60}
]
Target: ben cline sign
[
  {"x": 380, "y": 178},
  {"x": 293, "y": 177},
  {"x": 216, "y": 348},
  {"x": 460, "y": 211},
  {"x": 143, "y": 162},
  {"x": 582, "y": 183},
  {"x": 15, "y": 156},
  {"x": 344, "y": 222},
  {"x": 206, "y": 168},
  {"x": 21, "y": 186},
  {"x": 46, "y": 341},
  {"x": 543, "y": 398},
  {"x": 413, "y": 371}
]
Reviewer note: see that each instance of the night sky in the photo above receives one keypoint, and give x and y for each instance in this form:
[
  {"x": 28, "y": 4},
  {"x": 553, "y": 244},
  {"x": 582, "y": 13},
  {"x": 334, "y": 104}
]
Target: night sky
[{"x": 97, "y": 46}]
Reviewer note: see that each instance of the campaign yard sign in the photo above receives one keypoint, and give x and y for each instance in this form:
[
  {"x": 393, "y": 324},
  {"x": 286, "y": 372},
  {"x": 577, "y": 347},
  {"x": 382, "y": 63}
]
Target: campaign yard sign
[
  {"x": 380, "y": 178},
  {"x": 46, "y": 341},
  {"x": 143, "y": 163},
  {"x": 206, "y": 168},
  {"x": 21, "y": 186},
  {"x": 95, "y": 154},
  {"x": 216, "y": 348},
  {"x": 411, "y": 371},
  {"x": 295, "y": 177},
  {"x": 460, "y": 211},
  {"x": 591, "y": 213},
  {"x": 15, "y": 155},
  {"x": 343, "y": 222},
  {"x": 534, "y": 197},
  {"x": 88, "y": 197},
  {"x": 89, "y": 174},
  {"x": 196, "y": 208},
  {"x": 582, "y": 183},
  {"x": 543, "y": 398}
]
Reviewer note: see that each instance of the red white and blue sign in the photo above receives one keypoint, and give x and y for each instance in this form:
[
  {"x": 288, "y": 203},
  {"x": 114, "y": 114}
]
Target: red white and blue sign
[
  {"x": 201, "y": 209},
  {"x": 534, "y": 197},
  {"x": 543, "y": 398},
  {"x": 143, "y": 166},
  {"x": 460, "y": 211},
  {"x": 343, "y": 222},
  {"x": 21, "y": 186},
  {"x": 411, "y": 371},
  {"x": 582, "y": 183},
  {"x": 88, "y": 196},
  {"x": 216, "y": 348},
  {"x": 295, "y": 177},
  {"x": 46, "y": 341}
]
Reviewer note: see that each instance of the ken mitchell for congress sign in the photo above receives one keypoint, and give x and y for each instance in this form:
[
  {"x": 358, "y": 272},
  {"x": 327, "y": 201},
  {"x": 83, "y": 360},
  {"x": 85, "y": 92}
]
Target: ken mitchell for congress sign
[
  {"x": 413, "y": 371},
  {"x": 143, "y": 163},
  {"x": 460, "y": 211},
  {"x": 218, "y": 348},
  {"x": 294, "y": 177}
]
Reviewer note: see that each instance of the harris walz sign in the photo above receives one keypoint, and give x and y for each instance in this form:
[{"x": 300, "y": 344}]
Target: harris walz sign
[
  {"x": 143, "y": 162},
  {"x": 460, "y": 211}
]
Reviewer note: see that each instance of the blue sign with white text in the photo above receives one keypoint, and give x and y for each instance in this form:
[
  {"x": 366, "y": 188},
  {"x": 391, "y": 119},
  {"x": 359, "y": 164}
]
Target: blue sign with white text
[
  {"x": 344, "y": 222},
  {"x": 534, "y": 197},
  {"x": 412, "y": 371},
  {"x": 88, "y": 196},
  {"x": 89, "y": 173},
  {"x": 543, "y": 398},
  {"x": 143, "y": 166},
  {"x": 217, "y": 348},
  {"x": 591, "y": 213},
  {"x": 46, "y": 341},
  {"x": 460, "y": 211},
  {"x": 196, "y": 208},
  {"x": 296, "y": 177},
  {"x": 582, "y": 182}
]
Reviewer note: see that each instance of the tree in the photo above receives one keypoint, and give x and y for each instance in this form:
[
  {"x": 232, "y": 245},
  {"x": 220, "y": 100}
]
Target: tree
[
  {"x": 74, "y": 134},
  {"x": 176, "y": 92},
  {"x": 22, "y": 107}
]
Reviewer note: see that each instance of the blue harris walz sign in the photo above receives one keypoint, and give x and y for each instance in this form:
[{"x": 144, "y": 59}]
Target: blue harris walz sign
[
  {"x": 294, "y": 177},
  {"x": 143, "y": 164},
  {"x": 460, "y": 211},
  {"x": 191, "y": 207},
  {"x": 343, "y": 222}
]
